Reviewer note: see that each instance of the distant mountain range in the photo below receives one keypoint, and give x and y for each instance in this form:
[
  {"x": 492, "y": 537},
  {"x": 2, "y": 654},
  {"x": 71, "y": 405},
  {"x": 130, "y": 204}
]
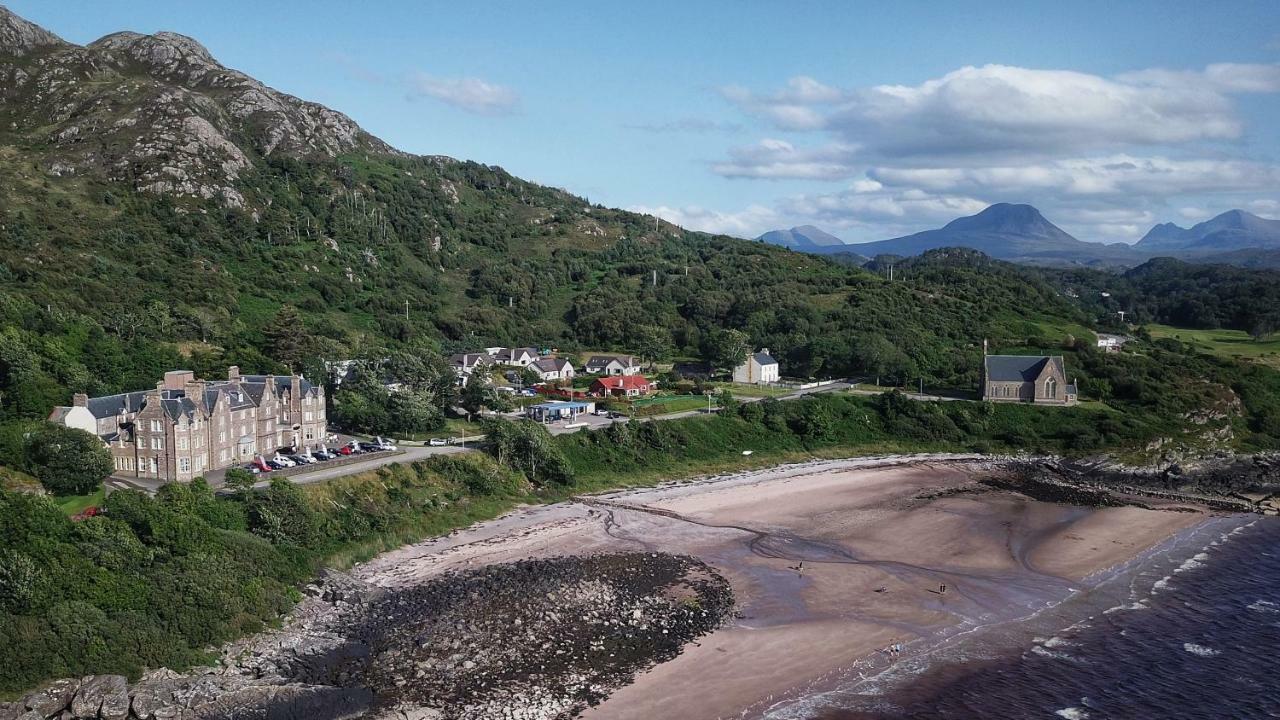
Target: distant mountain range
[
  {"x": 1232, "y": 230},
  {"x": 1019, "y": 233}
]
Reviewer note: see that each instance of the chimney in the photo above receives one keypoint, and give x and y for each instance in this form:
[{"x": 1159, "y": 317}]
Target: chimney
[
  {"x": 160, "y": 386},
  {"x": 80, "y": 400},
  {"x": 295, "y": 388},
  {"x": 233, "y": 373},
  {"x": 984, "y": 347},
  {"x": 177, "y": 379}
]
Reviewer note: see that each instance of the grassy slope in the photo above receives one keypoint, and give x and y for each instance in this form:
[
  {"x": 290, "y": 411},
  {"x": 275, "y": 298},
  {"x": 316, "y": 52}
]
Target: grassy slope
[{"x": 1234, "y": 344}]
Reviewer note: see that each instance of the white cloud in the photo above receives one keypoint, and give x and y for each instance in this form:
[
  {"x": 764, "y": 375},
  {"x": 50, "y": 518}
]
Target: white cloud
[
  {"x": 748, "y": 223},
  {"x": 859, "y": 206},
  {"x": 1265, "y": 207},
  {"x": 470, "y": 94},
  {"x": 1002, "y": 108},
  {"x": 777, "y": 159},
  {"x": 1119, "y": 174},
  {"x": 1193, "y": 213}
]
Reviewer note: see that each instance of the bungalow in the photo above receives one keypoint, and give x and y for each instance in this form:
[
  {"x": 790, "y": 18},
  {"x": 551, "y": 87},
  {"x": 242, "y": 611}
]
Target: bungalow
[
  {"x": 464, "y": 364},
  {"x": 519, "y": 357},
  {"x": 549, "y": 369},
  {"x": 758, "y": 369},
  {"x": 1111, "y": 343},
  {"x": 1038, "y": 379},
  {"x": 621, "y": 386},
  {"x": 559, "y": 410},
  {"x": 612, "y": 365}
]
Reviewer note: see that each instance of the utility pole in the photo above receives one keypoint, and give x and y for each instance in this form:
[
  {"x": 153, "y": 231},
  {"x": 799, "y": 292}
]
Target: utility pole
[
  {"x": 406, "y": 310},
  {"x": 655, "y": 279}
]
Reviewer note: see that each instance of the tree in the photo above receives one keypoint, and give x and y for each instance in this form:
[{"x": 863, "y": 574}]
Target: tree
[
  {"x": 476, "y": 394},
  {"x": 240, "y": 480},
  {"x": 726, "y": 349},
  {"x": 1262, "y": 327},
  {"x": 65, "y": 460},
  {"x": 652, "y": 343},
  {"x": 287, "y": 339}
]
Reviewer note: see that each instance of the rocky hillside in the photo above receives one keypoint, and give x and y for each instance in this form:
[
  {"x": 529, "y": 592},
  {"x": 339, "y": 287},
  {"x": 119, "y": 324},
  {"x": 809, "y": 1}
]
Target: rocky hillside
[{"x": 157, "y": 112}]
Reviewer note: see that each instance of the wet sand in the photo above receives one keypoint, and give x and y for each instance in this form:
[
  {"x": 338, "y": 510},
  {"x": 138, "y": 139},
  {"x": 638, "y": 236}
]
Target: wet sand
[{"x": 877, "y": 538}]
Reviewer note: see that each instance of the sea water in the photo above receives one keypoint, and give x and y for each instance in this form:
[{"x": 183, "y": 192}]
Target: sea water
[{"x": 1191, "y": 630}]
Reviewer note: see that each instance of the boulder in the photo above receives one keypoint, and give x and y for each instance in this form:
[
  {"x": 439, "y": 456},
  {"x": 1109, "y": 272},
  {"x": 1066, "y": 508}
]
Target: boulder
[
  {"x": 52, "y": 699},
  {"x": 105, "y": 696},
  {"x": 151, "y": 696}
]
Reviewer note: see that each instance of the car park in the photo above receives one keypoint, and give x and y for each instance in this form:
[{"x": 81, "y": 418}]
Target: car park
[
  {"x": 348, "y": 450},
  {"x": 284, "y": 461},
  {"x": 301, "y": 459},
  {"x": 274, "y": 465}
]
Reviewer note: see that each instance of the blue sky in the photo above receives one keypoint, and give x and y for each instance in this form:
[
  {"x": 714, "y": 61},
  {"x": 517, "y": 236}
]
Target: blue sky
[{"x": 869, "y": 121}]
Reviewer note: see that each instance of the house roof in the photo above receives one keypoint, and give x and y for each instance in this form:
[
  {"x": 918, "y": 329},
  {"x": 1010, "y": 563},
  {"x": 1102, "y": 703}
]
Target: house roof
[
  {"x": 623, "y": 382},
  {"x": 606, "y": 359},
  {"x": 549, "y": 364},
  {"x": 466, "y": 360},
  {"x": 283, "y": 383},
  {"x": 112, "y": 405},
  {"x": 1020, "y": 368},
  {"x": 764, "y": 358},
  {"x": 177, "y": 407}
]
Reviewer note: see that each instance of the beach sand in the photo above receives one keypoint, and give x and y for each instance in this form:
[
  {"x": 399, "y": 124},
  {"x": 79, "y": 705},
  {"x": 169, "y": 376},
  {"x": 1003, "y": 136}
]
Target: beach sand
[{"x": 830, "y": 562}]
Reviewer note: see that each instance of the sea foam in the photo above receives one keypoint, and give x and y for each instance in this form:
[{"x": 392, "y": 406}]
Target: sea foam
[{"x": 1200, "y": 650}]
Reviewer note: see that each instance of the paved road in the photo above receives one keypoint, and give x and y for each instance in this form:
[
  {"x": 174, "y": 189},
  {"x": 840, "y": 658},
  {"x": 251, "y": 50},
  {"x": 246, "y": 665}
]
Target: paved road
[{"x": 409, "y": 454}]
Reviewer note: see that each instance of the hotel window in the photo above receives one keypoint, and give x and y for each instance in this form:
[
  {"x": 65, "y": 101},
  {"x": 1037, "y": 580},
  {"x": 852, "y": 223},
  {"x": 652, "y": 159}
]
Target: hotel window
[
  {"x": 222, "y": 436},
  {"x": 184, "y": 464},
  {"x": 154, "y": 469},
  {"x": 155, "y": 426},
  {"x": 306, "y": 416},
  {"x": 182, "y": 443},
  {"x": 157, "y": 443}
]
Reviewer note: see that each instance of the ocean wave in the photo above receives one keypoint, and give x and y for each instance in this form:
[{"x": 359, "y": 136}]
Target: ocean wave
[
  {"x": 1072, "y": 713},
  {"x": 1162, "y": 584},
  {"x": 1045, "y": 652},
  {"x": 1133, "y": 606},
  {"x": 1192, "y": 563},
  {"x": 1264, "y": 606},
  {"x": 1055, "y": 641},
  {"x": 1200, "y": 650}
]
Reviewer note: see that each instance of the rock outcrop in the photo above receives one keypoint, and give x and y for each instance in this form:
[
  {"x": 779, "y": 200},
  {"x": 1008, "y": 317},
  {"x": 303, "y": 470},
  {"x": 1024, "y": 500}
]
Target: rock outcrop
[{"x": 155, "y": 111}]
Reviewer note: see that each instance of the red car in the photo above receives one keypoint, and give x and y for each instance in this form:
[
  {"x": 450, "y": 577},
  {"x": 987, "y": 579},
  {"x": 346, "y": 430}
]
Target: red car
[{"x": 347, "y": 450}]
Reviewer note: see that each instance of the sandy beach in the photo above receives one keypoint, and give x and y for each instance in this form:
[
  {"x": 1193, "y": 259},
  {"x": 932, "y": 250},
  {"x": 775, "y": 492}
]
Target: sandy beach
[{"x": 829, "y": 563}]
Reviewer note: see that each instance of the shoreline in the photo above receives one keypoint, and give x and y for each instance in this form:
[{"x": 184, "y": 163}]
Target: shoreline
[
  {"x": 793, "y": 645},
  {"x": 824, "y": 562}
]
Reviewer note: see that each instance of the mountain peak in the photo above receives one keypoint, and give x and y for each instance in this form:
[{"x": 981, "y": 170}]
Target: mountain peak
[
  {"x": 1011, "y": 219},
  {"x": 1231, "y": 230},
  {"x": 167, "y": 53},
  {"x": 20, "y": 37},
  {"x": 806, "y": 238}
]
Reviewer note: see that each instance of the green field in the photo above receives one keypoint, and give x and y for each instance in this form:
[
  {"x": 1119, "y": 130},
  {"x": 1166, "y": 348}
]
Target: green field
[
  {"x": 1225, "y": 343},
  {"x": 74, "y": 504}
]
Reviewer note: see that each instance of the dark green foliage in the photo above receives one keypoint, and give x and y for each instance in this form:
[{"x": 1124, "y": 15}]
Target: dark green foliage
[
  {"x": 65, "y": 460},
  {"x": 527, "y": 447}
]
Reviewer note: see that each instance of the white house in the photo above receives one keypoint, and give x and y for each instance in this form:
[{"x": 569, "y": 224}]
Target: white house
[
  {"x": 1111, "y": 343},
  {"x": 759, "y": 368},
  {"x": 549, "y": 369},
  {"x": 612, "y": 365},
  {"x": 519, "y": 357},
  {"x": 464, "y": 364}
]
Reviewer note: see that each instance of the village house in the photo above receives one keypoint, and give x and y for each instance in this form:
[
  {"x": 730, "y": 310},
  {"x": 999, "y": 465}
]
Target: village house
[
  {"x": 464, "y": 364},
  {"x": 186, "y": 426},
  {"x": 551, "y": 369},
  {"x": 1038, "y": 379},
  {"x": 612, "y": 365},
  {"x": 758, "y": 369},
  {"x": 621, "y": 386},
  {"x": 1111, "y": 343},
  {"x": 518, "y": 357}
]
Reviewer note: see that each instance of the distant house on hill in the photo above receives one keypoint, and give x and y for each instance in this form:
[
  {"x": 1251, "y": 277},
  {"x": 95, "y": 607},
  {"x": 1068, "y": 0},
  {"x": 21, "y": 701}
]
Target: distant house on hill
[
  {"x": 759, "y": 368},
  {"x": 553, "y": 369},
  {"x": 621, "y": 386},
  {"x": 1037, "y": 379},
  {"x": 1111, "y": 343},
  {"x": 519, "y": 357},
  {"x": 464, "y": 364},
  {"x": 612, "y": 365}
]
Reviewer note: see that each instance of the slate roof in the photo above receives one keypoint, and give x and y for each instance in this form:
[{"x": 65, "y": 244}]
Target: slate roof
[
  {"x": 550, "y": 364},
  {"x": 1020, "y": 368},
  {"x": 112, "y": 405},
  {"x": 623, "y": 382},
  {"x": 764, "y": 358},
  {"x": 602, "y": 360},
  {"x": 283, "y": 383},
  {"x": 177, "y": 407}
]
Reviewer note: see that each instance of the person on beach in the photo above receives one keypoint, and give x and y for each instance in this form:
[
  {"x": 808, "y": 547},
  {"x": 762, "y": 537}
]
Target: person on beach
[{"x": 942, "y": 589}]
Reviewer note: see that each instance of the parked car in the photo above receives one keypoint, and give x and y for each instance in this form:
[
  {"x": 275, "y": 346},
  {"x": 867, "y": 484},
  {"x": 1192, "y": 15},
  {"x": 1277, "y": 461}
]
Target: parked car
[
  {"x": 322, "y": 455},
  {"x": 302, "y": 459},
  {"x": 601, "y": 412},
  {"x": 284, "y": 461},
  {"x": 254, "y": 469},
  {"x": 437, "y": 442},
  {"x": 615, "y": 415},
  {"x": 348, "y": 450},
  {"x": 274, "y": 465},
  {"x": 369, "y": 447},
  {"x": 384, "y": 444}
]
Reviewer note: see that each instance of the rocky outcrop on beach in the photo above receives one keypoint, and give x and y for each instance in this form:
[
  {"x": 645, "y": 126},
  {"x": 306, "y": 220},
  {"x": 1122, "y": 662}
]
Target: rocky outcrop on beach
[
  {"x": 1248, "y": 483},
  {"x": 528, "y": 640}
]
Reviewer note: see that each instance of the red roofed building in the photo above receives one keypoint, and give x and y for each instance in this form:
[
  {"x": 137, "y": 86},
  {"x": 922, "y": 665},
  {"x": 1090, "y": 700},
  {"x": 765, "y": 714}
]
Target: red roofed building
[{"x": 621, "y": 386}]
